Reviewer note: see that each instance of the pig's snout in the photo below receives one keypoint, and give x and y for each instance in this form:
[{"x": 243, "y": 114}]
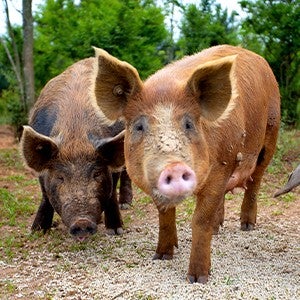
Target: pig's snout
[
  {"x": 177, "y": 181},
  {"x": 82, "y": 228}
]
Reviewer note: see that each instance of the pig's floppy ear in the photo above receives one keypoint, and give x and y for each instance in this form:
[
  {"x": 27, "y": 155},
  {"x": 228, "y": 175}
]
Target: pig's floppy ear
[
  {"x": 37, "y": 149},
  {"x": 115, "y": 81},
  {"x": 213, "y": 84},
  {"x": 111, "y": 150}
]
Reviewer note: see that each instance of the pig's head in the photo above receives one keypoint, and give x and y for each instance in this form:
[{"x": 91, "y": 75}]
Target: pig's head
[
  {"x": 166, "y": 148},
  {"x": 76, "y": 176}
]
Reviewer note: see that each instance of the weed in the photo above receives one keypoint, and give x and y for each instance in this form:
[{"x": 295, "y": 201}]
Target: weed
[
  {"x": 229, "y": 196},
  {"x": 10, "y": 246},
  {"x": 8, "y": 286},
  {"x": 106, "y": 251},
  {"x": 127, "y": 220},
  {"x": 220, "y": 253},
  {"x": 290, "y": 197},
  {"x": 140, "y": 213},
  {"x": 278, "y": 212},
  {"x": 144, "y": 200},
  {"x": 186, "y": 210},
  {"x": 141, "y": 296},
  {"x": 228, "y": 280},
  {"x": 105, "y": 268},
  {"x": 131, "y": 265},
  {"x": 76, "y": 246}
]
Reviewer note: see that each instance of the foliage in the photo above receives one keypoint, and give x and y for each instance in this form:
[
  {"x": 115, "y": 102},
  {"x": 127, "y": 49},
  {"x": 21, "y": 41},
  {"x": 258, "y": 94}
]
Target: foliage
[
  {"x": 286, "y": 150},
  {"x": 12, "y": 109},
  {"x": 134, "y": 31},
  {"x": 271, "y": 28},
  {"x": 65, "y": 32},
  {"x": 206, "y": 25}
]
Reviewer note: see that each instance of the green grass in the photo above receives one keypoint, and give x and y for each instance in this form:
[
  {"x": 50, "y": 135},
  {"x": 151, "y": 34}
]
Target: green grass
[
  {"x": 185, "y": 210},
  {"x": 12, "y": 245},
  {"x": 11, "y": 158},
  {"x": 14, "y": 204},
  {"x": 7, "y": 286},
  {"x": 288, "y": 141}
]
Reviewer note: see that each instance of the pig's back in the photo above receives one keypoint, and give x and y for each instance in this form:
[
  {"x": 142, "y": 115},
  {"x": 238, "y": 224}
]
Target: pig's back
[
  {"x": 65, "y": 104},
  {"x": 184, "y": 68}
]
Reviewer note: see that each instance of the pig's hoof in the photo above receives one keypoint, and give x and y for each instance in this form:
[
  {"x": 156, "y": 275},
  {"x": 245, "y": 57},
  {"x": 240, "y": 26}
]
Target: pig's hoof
[
  {"x": 37, "y": 227},
  {"x": 200, "y": 279},
  {"x": 162, "y": 256},
  {"x": 125, "y": 206},
  {"x": 119, "y": 231},
  {"x": 247, "y": 226},
  {"x": 216, "y": 230},
  {"x": 111, "y": 231}
]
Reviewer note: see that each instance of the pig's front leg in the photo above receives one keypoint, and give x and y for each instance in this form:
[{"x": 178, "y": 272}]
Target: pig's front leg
[
  {"x": 167, "y": 235},
  {"x": 125, "y": 196},
  {"x": 113, "y": 220},
  {"x": 219, "y": 217},
  {"x": 44, "y": 215},
  {"x": 203, "y": 224}
]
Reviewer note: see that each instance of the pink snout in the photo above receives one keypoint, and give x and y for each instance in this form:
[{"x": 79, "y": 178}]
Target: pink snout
[{"x": 177, "y": 181}]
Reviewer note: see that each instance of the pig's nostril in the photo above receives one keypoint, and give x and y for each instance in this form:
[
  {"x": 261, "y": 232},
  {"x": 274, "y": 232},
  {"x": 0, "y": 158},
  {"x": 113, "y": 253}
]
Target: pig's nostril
[
  {"x": 168, "y": 179},
  {"x": 176, "y": 180},
  {"x": 186, "y": 176},
  {"x": 91, "y": 229},
  {"x": 75, "y": 230}
]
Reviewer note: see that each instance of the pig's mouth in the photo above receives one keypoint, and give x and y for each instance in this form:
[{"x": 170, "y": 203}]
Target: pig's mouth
[
  {"x": 81, "y": 238},
  {"x": 164, "y": 203}
]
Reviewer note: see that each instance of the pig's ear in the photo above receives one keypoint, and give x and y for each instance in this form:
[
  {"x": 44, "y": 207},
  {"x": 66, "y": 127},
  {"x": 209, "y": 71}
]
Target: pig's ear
[
  {"x": 37, "y": 149},
  {"x": 213, "y": 84},
  {"x": 115, "y": 81},
  {"x": 111, "y": 150}
]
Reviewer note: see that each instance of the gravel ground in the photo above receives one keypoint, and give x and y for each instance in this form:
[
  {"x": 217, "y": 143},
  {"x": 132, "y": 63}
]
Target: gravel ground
[{"x": 262, "y": 264}]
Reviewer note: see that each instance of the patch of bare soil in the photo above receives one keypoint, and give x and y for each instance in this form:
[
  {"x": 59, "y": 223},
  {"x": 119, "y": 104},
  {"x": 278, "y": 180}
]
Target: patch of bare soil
[{"x": 262, "y": 264}]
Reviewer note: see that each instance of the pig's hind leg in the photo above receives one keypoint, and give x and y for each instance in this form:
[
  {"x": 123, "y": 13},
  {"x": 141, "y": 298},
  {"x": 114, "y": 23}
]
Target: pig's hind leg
[
  {"x": 44, "y": 216},
  {"x": 249, "y": 204},
  {"x": 112, "y": 216},
  {"x": 125, "y": 195}
]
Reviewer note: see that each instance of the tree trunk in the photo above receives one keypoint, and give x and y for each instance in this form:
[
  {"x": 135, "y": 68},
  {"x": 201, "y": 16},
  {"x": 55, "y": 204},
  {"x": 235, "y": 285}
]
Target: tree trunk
[
  {"x": 28, "y": 69},
  {"x": 14, "y": 58}
]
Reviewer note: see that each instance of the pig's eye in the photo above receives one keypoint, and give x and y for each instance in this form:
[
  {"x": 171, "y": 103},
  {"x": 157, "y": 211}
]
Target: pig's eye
[
  {"x": 97, "y": 175},
  {"x": 140, "y": 125},
  {"x": 188, "y": 124},
  {"x": 60, "y": 179}
]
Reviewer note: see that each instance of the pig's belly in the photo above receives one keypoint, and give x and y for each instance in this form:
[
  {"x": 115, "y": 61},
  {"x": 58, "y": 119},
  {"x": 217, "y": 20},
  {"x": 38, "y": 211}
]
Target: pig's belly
[{"x": 240, "y": 177}]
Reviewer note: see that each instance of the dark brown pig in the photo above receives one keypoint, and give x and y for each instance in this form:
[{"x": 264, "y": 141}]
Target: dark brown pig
[
  {"x": 204, "y": 125},
  {"x": 78, "y": 155}
]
